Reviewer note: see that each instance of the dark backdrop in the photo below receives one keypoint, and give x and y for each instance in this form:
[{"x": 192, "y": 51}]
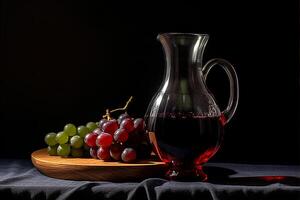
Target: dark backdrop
[{"x": 66, "y": 61}]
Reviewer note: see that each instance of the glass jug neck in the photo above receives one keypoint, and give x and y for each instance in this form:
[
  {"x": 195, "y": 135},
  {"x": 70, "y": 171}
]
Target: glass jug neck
[{"x": 184, "y": 52}]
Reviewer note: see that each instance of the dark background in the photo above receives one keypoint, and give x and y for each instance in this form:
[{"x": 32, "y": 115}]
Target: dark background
[{"x": 66, "y": 61}]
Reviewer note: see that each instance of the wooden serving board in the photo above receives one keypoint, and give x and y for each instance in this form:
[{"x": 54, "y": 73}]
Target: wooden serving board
[{"x": 95, "y": 170}]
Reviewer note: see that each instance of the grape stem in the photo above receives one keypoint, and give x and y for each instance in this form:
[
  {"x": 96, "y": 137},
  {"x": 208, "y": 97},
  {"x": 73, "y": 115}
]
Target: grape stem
[{"x": 107, "y": 115}]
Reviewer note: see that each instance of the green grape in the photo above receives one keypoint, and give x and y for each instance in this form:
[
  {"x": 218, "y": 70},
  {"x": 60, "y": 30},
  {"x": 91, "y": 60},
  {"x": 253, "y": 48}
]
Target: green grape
[
  {"x": 63, "y": 150},
  {"x": 77, "y": 153},
  {"x": 76, "y": 141},
  {"x": 70, "y": 129},
  {"x": 52, "y": 150},
  {"x": 82, "y": 131},
  {"x": 62, "y": 137},
  {"x": 92, "y": 126},
  {"x": 50, "y": 139}
]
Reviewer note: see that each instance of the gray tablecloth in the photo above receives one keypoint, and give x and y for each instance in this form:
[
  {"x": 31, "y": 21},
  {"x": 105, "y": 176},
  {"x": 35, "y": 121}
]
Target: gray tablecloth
[{"x": 20, "y": 180}]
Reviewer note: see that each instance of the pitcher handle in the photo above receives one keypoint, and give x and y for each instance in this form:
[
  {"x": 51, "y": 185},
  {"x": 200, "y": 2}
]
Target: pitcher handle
[{"x": 233, "y": 82}]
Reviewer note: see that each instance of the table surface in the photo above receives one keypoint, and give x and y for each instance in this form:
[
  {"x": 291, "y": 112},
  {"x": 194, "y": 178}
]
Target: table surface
[{"x": 20, "y": 180}]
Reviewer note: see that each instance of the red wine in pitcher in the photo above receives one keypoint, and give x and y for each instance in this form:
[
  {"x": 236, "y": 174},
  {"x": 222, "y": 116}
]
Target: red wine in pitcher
[{"x": 188, "y": 140}]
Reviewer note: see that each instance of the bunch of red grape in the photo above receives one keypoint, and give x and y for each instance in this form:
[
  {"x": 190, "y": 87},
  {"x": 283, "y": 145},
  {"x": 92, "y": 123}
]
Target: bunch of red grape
[{"x": 123, "y": 139}]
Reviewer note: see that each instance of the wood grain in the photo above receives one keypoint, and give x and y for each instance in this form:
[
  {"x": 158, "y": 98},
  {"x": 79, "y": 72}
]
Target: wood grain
[{"x": 95, "y": 170}]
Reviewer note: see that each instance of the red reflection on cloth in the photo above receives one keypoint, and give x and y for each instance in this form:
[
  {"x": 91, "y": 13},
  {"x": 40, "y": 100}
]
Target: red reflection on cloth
[{"x": 273, "y": 178}]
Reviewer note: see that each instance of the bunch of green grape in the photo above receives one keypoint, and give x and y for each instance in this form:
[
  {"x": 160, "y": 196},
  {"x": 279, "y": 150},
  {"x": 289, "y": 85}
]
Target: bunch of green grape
[{"x": 70, "y": 141}]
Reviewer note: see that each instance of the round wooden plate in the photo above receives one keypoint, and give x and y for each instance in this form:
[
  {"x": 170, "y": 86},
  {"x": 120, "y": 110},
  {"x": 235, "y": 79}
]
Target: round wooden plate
[{"x": 93, "y": 169}]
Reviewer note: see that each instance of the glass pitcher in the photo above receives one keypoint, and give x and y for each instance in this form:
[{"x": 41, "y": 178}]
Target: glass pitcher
[{"x": 184, "y": 123}]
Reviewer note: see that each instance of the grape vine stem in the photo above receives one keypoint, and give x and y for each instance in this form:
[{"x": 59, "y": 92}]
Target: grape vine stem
[{"x": 108, "y": 112}]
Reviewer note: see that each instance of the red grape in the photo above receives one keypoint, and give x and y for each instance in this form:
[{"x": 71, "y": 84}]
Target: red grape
[
  {"x": 97, "y": 131},
  {"x": 90, "y": 139},
  {"x": 110, "y": 126},
  {"x": 93, "y": 152},
  {"x": 103, "y": 154},
  {"x": 101, "y": 122},
  {"x": 128, "y": 155},
  {"x": 104, "y": 140},
  {"x": 122, "y": 116},
  {"x": 139, "y": 124},
  {"x": 121, "y": 135},
  {"x": 134, "y": 139},
  {"x": 127, "y": 124},
  {"x": 116, "y": 151}
]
